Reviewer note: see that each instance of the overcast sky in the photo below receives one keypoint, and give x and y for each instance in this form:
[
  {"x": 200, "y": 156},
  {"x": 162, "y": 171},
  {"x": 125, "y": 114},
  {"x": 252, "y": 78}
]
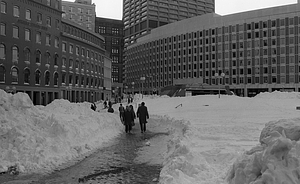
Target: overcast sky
[{"x": 113, "y": 8}]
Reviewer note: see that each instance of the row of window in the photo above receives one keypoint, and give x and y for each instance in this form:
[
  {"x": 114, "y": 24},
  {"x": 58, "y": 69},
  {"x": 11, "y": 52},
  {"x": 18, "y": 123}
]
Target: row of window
[
  {"x": 82, "y": 52},
  {"x": 79, "y": 10},
  {"x": 47, "y": 59},
  {"x": 28, "y": 15},
  {"x": 28, "y": 35},
  {"x": 68, "y": 29},
  {"x": 79, "y": 80}
]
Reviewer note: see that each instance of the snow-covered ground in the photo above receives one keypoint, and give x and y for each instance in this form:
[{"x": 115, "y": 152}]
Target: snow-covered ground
[{"x": 219, "y": 142}]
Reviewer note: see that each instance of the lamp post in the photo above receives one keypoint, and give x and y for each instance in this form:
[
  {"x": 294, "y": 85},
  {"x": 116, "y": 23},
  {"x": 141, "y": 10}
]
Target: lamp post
[
  {"x": 218, "y": 77},
  {"x": 142, "y": 79},
  {"x": 126, "y": 90}
]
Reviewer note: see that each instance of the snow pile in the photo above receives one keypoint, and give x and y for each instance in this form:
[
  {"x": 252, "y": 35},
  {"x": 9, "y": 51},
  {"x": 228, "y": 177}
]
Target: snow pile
[
  {"x": 275, "y": 161},
  {"x": 279, "y": 95},
  {"x": 38, "y": 139}
]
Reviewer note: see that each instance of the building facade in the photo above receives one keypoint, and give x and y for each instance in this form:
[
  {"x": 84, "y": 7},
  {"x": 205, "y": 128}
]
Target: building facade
[
  {"x": 30, "y": 48},
  {"x": 256, "y": 50},
  {"x": 140, "y": 17},
  {"x": 82, "y": 62},
  {"x": 112, "y": 31},
  {"x": 81, "y": 12},
  {"x": 35, "y": 54}
]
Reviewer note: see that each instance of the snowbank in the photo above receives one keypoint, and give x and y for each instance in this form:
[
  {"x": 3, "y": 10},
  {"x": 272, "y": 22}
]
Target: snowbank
[
  {"x": 278, "y": 95},
  {"x": 276, "y": 161},
  {"x": 38, "y": 139}
]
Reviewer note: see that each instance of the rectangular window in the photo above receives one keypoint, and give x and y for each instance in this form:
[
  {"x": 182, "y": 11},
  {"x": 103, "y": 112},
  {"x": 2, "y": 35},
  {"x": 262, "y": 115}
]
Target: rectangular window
[
  {"x": 28, "y": 15},
  {"x": 16, "y": 32},
  {"x": 3, "y": 7},
  {"x": 71, "y": 49},
  {"x": 56, "y": 42},
  {"x": 48, "y": 40},
  {"x": 3, "y": 29},
  {"x": 64, "y": 47},
  {"x": 27, "y": 35},
  {"x": 16, "y": 11},
  {"x": 38, "y": 37},
  {"x": 48, "y": 21},
  {"x": 39, "y": 18}
]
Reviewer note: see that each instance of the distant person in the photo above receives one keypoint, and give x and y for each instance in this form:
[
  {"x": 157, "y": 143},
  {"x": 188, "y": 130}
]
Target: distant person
[
  {"x": 110, "y": 109},
  {"x": 105, "y": 104},
  {"x": 142, "y": 114},
  {"x": 93, "y": 106},
  {"x": 134, "y": 116},
  {"x": 128, "y": 117},
  {"x": 121, "y": 110},
  {"x": 109, "y": 103}
]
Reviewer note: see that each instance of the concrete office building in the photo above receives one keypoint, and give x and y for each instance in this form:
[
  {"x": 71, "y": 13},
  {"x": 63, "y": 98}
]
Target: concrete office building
[
  {"x": 112, "y": 31},
  {"x": 140, "y": 17},
  {"x": 81, "y": 12},
  {"x": 256, "y": 50}
]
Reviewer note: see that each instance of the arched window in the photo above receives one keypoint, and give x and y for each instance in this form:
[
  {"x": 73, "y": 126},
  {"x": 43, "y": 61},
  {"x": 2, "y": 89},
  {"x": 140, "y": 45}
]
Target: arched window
[
  {"x": 56, "y": 60},
  {"x": 2, "y": 74},
  {"x": 27, "y": 54},
  {"x": 47, "y": 78},
  {"x": 47, "y": 55},
  {"x": 26, "y": 76},
  {"x": 38, "y": 57},
  {"x": 15, "y": 54},
  {"x": 37, "y": 77},
  {"x": 55, "y": 79},
  {"x": 2, "y": 51},
  {"x": 14, "y": 75}
]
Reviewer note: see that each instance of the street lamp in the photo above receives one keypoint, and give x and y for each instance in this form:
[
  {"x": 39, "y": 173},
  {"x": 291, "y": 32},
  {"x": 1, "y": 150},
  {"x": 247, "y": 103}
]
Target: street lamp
[
  {"x": 142, "y": 79},
  {"x": 218, "y": 77}
]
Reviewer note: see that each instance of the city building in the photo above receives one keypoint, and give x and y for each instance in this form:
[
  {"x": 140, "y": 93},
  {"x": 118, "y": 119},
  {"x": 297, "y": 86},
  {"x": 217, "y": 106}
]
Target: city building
[
  {"x": 48, "y": 58},
  {"x": 112, "y": 31},
  {"x": 83, "y": 65},
  {"x": 247, "y": 53},
  {"x": 81, "y": 12},
  {"x": 30, "y": 48},
  {"x": 140, "y": 17}
]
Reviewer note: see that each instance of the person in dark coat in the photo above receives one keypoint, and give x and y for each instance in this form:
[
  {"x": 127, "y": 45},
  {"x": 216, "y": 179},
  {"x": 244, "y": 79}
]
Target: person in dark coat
[
  {"x": 128, "y": 117},
  {"x": 110, "y": 109},
  {"x": 93, "y": 106},
  {"x": 109, "y": 103},
  {"x": 121, "y": 110},
  {"x": 134, "y": 116},
  {"x": 142, "y": 114}
]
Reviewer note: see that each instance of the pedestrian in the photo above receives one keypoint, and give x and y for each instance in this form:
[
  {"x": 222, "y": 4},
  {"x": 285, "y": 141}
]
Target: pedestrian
[
  {"x": 128, "y": 100},
  {"x": 109, "y": 103},
  {"x": 93, "y": 106},
  {"x": 121, "y": 110},
  {"x": 134, "y": 116},
  {"x": 110, "y": 109},
  {"x": 105, "y": 104},
  {"x": 142, "y": 114},
  {"x": 128, "y": 117}
]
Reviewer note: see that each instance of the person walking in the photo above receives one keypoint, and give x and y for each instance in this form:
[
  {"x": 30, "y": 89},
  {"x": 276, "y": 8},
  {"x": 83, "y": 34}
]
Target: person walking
[
  {"x": 134, "y": 116},
  {"x": 121, "y": 110},
  {"x": 143, "y": 115},
  {"x": 128, "y": 117}
]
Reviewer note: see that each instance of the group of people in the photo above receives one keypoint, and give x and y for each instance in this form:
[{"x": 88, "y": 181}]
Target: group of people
[{"x": 127, "y": 116}]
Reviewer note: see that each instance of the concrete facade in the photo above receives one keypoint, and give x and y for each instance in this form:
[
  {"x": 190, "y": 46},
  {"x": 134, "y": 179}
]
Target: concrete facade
[{"x": 257, "y": 50}]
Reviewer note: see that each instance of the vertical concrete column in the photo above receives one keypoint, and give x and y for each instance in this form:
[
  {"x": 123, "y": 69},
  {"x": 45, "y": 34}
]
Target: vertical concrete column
[{"x": 245, "y": 91}]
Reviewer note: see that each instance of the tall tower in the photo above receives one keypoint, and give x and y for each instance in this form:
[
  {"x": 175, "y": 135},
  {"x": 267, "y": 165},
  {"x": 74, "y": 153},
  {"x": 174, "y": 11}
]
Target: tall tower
[
  {"x": 81, "y": 12},
  {"x": 140, "y": 17}
]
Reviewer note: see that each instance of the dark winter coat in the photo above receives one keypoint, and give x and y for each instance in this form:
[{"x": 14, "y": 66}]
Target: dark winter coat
[
  {"x": 110, "y": 109},
  {"x": 142, "y": 114},
  {"x": 128, "y": 117}
]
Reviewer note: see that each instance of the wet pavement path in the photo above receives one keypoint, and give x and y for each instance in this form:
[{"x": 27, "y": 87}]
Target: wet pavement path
[{"x": 114, "y": 163}]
